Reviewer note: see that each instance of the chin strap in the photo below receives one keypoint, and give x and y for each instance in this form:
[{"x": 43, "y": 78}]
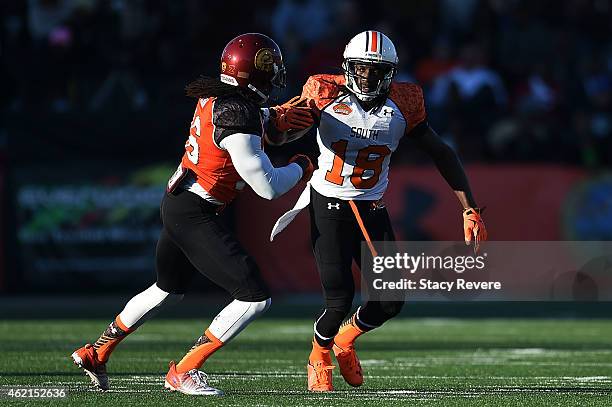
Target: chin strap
[
  {"x": 374, "y": 104},
  {"x": 258, "y": 92}
]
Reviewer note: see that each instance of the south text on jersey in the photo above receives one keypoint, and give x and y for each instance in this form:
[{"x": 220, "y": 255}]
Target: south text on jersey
[{"x": 359, "y": 132}]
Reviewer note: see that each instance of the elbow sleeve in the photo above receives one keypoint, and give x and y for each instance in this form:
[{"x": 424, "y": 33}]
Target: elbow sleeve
[{"x": 267, "y": 192}]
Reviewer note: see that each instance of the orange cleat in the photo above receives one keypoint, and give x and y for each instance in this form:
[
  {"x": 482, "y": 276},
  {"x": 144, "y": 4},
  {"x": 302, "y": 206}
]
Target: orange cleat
[
  {"x": 350, "y": 368},
  {"x": 86, "y": 358},
  {"x": 320, "y": 376}
]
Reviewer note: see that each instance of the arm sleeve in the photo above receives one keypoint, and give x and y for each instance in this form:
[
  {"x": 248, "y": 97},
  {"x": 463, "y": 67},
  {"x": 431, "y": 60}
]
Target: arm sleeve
[
  {"x": 444, "y": 157},
  {"x": 255, "y": 168}
]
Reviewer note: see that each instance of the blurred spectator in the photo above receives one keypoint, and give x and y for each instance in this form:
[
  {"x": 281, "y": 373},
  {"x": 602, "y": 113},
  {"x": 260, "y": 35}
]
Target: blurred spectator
[
  {"x": 539, "y": 92},
  {"x": 472, "y": 81},
  {"x": 45, "y": 16},
  {"x": 504, "y": 79},
  {"x": 456, "y": 15},
  {"x": 438, "y": 64},
  {"x": 466, "y": 100},
  {"x": 308, "y": 19},
  {"x": 598, "y": 89}
]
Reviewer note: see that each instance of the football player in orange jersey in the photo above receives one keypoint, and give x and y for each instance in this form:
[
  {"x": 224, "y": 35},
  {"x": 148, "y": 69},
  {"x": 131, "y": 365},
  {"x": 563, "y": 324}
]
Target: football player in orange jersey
[
  {"x": 223, "y": 153},
  {"x": 362, "y": 116}
]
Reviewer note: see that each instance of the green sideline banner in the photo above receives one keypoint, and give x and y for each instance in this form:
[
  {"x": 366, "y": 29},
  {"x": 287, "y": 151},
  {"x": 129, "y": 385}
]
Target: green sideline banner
[{"x": 87, "y": 231}]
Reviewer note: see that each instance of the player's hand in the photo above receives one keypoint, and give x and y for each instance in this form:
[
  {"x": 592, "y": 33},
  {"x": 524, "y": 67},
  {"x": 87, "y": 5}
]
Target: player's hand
[
  {"x": 296, "y": 101},
  {"x": 304, "y": 162},
  {"x": 295, "y": 114},
  {"x": 473, "y": 227}
]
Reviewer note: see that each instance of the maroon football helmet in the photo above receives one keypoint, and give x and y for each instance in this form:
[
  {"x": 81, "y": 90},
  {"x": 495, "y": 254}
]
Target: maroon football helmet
[{"x": 253, "y": 61}]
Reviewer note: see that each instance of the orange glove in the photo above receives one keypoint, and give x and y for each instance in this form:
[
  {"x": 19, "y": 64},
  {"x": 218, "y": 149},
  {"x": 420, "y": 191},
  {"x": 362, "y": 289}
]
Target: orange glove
[
  {"x": 473, "y": 227},
  {"x": 304, "y": 162},
  {"x": 295, "y": 114}
]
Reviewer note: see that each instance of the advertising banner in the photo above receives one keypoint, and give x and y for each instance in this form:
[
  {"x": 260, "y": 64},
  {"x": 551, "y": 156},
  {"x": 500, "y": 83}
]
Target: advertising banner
[{"x": 95, "y": 230}]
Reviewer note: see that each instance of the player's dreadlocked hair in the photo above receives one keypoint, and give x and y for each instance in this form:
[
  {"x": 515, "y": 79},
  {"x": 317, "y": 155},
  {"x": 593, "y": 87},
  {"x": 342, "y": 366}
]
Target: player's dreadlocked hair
[{"x": 205, "y": 87}]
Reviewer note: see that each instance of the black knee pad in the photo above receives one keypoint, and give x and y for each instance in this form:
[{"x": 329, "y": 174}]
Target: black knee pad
[
  {"x": 251, "y": 287},
  {"x": 331, "y": 318},
  {"x": 335, "y": 316},
  {"x": 171, "y": 287},
  {"x": 376, "y": 313},
  {"x": 251, "y": 294},
  {"x": 341, "y": 304}
]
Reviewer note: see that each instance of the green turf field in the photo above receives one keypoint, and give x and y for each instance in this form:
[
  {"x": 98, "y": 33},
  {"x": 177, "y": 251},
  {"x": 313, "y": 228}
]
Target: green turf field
[{"x": 414, "y": 362}]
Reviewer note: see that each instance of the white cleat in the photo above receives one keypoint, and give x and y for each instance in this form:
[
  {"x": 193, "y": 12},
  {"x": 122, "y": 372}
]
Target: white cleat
[{"x": 193, "y": 382}]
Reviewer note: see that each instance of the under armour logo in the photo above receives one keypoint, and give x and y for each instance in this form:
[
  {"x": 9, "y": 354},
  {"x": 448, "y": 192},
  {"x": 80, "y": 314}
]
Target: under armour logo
[
  {"x": 331, "y": 205},
  {"x": 388, "y": 111}
]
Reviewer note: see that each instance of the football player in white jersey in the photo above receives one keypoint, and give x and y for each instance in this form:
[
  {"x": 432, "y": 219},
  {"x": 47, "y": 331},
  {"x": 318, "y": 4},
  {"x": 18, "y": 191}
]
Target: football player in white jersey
[{"x": 363, "y": 117}]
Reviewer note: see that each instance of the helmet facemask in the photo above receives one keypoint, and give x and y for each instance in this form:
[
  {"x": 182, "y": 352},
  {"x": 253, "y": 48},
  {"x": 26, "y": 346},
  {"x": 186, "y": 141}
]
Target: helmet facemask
[
  {"x": 279, "y": 80},
  {"x": 265, "y": 89},
  {"x": 368, "y": 79}
]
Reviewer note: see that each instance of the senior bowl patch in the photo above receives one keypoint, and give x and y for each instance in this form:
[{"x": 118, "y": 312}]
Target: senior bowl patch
[{"x": 342, "y": 108}]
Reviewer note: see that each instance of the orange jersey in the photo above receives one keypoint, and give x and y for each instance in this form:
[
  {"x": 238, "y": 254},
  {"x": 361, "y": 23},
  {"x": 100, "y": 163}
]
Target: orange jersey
[{"x": 214, "y": 119}]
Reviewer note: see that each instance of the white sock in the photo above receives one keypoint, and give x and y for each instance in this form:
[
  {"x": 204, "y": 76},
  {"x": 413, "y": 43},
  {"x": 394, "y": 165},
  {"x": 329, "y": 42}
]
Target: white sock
[
  {"x": 146, "y": 305},
  {"x": 235, "y": 317}
]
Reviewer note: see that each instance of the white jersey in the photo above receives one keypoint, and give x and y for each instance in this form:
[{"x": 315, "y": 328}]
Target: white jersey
[{"x": 356, "y": 145}]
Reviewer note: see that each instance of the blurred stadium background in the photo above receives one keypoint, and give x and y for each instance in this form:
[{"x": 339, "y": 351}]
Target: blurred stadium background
[
  {"x": 93, "y": 120},
  {"x": 94, "y": 117}
]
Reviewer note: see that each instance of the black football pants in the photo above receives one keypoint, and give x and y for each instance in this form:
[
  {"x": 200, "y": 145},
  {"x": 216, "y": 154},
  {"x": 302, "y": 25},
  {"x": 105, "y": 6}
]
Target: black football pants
[
  {"x": 194, "y": 238},
  {"x": 336, "y": 242}
]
